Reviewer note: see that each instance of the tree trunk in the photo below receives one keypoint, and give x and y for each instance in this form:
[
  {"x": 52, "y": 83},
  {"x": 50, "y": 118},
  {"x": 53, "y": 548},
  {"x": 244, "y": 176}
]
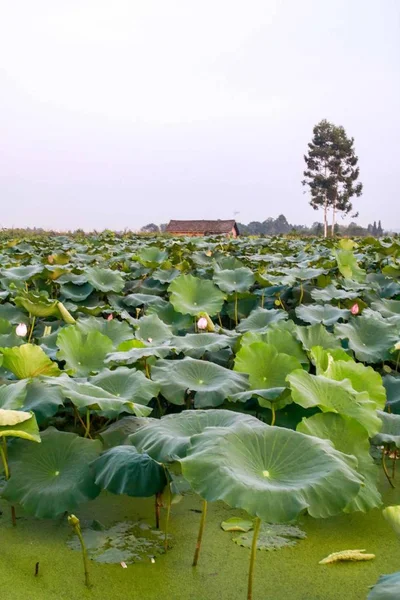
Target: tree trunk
[
  {"x": 333, "y": 218},
  {"x": 326, "y": 218}
]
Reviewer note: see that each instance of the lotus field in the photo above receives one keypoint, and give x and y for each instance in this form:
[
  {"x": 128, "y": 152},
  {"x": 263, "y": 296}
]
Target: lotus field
[{"x": 256, "y": 381}]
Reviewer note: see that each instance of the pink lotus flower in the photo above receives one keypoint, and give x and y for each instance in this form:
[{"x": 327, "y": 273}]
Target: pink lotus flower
[
  {"x": 202, "y": 323},
  {"x": 110, "y": 317},
  {"x": 355, "y": 309}
]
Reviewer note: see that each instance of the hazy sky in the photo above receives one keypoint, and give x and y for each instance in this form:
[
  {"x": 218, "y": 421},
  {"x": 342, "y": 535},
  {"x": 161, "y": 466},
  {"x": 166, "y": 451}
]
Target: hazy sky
[{"x": 118, "y": 113}]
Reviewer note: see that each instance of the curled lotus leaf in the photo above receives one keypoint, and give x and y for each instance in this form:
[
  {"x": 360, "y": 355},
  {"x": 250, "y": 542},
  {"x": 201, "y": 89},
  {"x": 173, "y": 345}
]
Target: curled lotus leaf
[
  {"x": 211, "y": 383},
  {"x": 260, "y": 319},
  {"x": 16, "y": 423},
  {"x": 369, "y": 337},
  {"x": 271, "y": 472},
  {"x": 321, "y": 313},
  {"x": 334, "y": 396},
  {"x": 168, "y": 438},
  {"x": 348, "y": 436},
  {"x": 82, "y": 353},
  {"x": 28, "y": 361},
  {"x": 122, "y": 470},
  {"x": 390, "y": 432}
]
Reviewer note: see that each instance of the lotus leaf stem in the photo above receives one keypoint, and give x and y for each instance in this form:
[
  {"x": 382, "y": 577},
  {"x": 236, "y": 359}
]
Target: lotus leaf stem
[
  {"x": 200, "y": 536},
  {"x": 273, "y": 415},
  {"x": 219, "y": 319},
  {"x": 167, "y": 520},
  {"x": 257, "y": 524},
  {"x": 31, "y": 329},
  {"x": 3, "y": 454},
  {"x": 394, "y": 464},
  {"x": 236, "y": 309},
  {"x": 76, "y": 526},
  {"x": 87, "y": 426},
  {"x": 157, "y": 506},
  {"x": 385, "y": 467},
  {"x": 301, "y": 293}
]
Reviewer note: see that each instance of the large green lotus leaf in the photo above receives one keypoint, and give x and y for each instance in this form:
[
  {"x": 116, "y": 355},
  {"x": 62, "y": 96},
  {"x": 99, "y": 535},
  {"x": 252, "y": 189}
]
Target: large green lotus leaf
[
  {"x": 127, "y": 383},
  {"x": 16, "y": 423},
  {"x": 136, "y": 353},
  {"x": 321, "y": 313},
  {"x": 12, "y": 395},
  {"x": 165, "y": 275},
  {"x": 197, "y": 344},
  {"x": 387, "y": 308},
  {"x": 83, "y": 353},
  {"x": 348, "y": 266},
  {"x": 349, "y": 437},
  {"x": 22, "y": 274},
  {"x": 118, "y": 432},
  {"x": 392, "y": 386},
  {"x": 168, "y": 439},
  {"x": 212, "y": 383},
  {"x": 76, "y": 293},
  {"x": 117, "y": 331},
  {"x": 87, "y": 395},
  {"x": 371, "y": 339},
  {"x": 334, "y": 396},
  {"x": 282, "y": 339},
  {"x": 266, "y": 367},
  {"x": 145, "y": 300},
  {"x": 386, "y": 588},
  {"x": 28, "y": 361},
  {"x": 105, "y": 280},
  {"x": 122, "y": 470},
  {"x": 304, "y": 273},
  {"x": 362, "y": 378},
  {"x": 331, "y": 292},
  {"x": 43, "y": 397},
  {"x": 191, "y": 295},
  {"x": 271, "y": 472},
  {"x": 234, "y": 280},
  {"x": 152, "y": 329},
  {"x": 316, "y": 335},
  {"x": 53, "y": 477},
  {"x": 260, "y": 319},
  {"x": 152, "y": 256},
  {"x": 390, "y": 432}
]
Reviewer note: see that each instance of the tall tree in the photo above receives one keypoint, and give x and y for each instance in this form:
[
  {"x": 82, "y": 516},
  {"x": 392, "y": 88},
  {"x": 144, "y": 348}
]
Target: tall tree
[{"x": 332, "y": 171}]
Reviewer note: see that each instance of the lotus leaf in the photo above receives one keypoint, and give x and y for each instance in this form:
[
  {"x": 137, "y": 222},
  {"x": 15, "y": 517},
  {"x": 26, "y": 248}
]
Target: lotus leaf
[
  {"x": 271, "y": 472},
  {"x": 321, "y": 313},
  {"x": 390, "y": 432},
  {"x": 260, "y": 319},
  {"x": 83, "y": 353},
  {"x": 370, "y": 338},
  {"x": 122, "y": 470},
  {"x": 334, "y": 396},
  {"x": 212, "y": 383},
  {"x": 105, "y": 280},
  {"x": 191, "y": 295},
  {"x": 16, "y": 423},
  {"x": 27, "y": 361},
  {"x": 52, "y": 477},
  {"x": 348, "y": 437},
  {"x": 168, "y": 439}
]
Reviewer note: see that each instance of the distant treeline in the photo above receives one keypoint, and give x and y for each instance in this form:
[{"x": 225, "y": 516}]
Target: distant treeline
[{"x": 281, "y": 225}]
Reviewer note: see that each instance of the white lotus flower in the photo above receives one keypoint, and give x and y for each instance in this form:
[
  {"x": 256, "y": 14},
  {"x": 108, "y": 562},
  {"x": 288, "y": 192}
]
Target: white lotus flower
[
  {"x": 202, "y": 323},
  {"x": 21, "y": 330}
]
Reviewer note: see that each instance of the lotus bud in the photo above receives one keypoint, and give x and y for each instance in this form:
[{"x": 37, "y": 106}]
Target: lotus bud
[
  {"x": 397, "y": 346},
  {"x": 392, "y": 514},
  {"x": 150, "y": 340},
  {"x": 355, "y": 309},
  {"x": 21, "y": 330},
  {"x": 202, "y": 323},
  {"x": 73, "y": 520},
  {"x": 110, "y": 317}
]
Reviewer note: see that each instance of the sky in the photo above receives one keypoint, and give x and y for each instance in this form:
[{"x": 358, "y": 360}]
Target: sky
[{"x": 118, "y": 114}]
